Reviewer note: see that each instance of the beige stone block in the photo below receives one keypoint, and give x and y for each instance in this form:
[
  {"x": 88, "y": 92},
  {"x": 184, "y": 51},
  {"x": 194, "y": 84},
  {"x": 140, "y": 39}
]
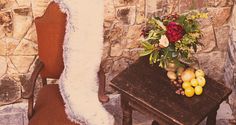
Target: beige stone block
[
  {"x": 107, "y": 64},
  {"x": 7, "y": 4},
  {"x": 160, "y": 7},
  {"x": 32, "y": 67},
  {"x": 22, "y": 21},
  {"x": 222, "y": 37},
  {"x": 23, "y": 2},
  {"x": 118, "y": 66},
  {"x": 126, "y": 15},
  {"x": 2, "y": 3},
  {"x": 3, "y": 65},
  {"x": 6, "y": 27},
  {"x": 205, "y": 22},
  {"x": 132, "y": 54},
  {"x": 26, "y": 48},
  {"x": 219, "y": 15},
  {"x": 22, "y": 63},
  {"x": 116, "y": 49},
  {"x": 11, "y": 45},
  {"x": 14, "y": 114},
  {"x": 109, "y": 11},
  {"x": 133, "y": 43},
  {"x": 134, "y": 32},
  {"x": 208, "y": 40},
  {"x": 231, "y": 58},
  {"x": 10, "y": 90},
  {"x": 106, "y": 49},
  {"x": 233, "y": 18},
  {"x": 107, "y": 24},
  {"x": 11, "y": 69},
  {"x": 233, "y": 35},
  {"x": 116, "y": 32},
  {"x": 213, "y": 64},
  {"x": 185, "y": 5},
  {"x": 223, "y": 2},
  {"x": 2, "y": 34},
  {"x": 3, "y": 47},
  {"x": 210, "y": 2},
  {"x": 39, "y": 7},
  {"x": 118, "y": 2},
  {"x": 31, "y": 34},
  {"x": 153, "y": 5},
  {"x": 133, "y": 36},
  {"x": 140, "y": 16}
]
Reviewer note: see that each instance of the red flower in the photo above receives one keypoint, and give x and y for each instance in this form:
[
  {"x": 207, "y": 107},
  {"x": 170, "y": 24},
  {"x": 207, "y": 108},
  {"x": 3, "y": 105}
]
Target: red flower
[{"x": 174, "y": 32}]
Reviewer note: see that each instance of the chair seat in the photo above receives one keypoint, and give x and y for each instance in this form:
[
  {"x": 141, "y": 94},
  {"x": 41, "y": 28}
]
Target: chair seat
[{"x": 49, "y": 108}]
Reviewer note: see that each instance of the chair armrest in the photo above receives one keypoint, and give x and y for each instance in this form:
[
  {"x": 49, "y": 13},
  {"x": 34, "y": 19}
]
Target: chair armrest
[
  {"x": 32, "y": 81},
  {"x": 102, "y": 84}
]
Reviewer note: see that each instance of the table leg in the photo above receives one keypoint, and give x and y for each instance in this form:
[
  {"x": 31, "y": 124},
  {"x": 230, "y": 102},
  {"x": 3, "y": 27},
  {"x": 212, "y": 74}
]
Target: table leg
[
  {"x": 211, "y": 119},
  {"x": 155, "y": 123},
  {"x": 127, "y": 111}
]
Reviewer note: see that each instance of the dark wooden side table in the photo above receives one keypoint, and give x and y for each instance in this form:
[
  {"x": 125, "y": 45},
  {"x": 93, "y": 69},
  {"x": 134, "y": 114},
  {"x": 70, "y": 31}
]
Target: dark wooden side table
[{"x": 147, "y": 89}]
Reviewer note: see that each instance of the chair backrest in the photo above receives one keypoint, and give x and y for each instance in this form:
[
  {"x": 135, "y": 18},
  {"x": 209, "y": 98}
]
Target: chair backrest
[{"x": 51, "y": 31}]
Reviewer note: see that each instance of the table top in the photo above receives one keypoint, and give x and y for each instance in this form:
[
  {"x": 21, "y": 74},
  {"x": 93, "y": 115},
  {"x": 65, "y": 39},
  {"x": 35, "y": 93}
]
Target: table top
[{"x": 149, "y": 85}]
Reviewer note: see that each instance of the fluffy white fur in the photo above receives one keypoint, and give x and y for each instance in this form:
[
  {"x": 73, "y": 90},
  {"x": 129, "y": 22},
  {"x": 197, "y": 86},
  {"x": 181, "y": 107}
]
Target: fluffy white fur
[{"x": 82, "y": 53}]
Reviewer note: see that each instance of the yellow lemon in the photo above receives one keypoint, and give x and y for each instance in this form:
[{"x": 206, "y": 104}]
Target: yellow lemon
[
  {"x": 187, "y": 75},
  {"x": 191, "y": 69},
  {"x": 189, "y": 91},
  {"x": 186, "y": 85},
  {"x": 199, "y": 72},
  {"x": 198, "y": 90},
  {"x": 201, "y": 81},
  {"x": 194, "y": 82}
]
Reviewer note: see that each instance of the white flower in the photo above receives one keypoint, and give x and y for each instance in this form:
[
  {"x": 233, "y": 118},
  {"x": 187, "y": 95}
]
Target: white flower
[{"x": 163, "y": 42}]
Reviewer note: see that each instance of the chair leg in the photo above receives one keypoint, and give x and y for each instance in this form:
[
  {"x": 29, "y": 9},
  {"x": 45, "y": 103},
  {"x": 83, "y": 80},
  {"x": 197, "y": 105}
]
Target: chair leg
[
  {"x": 44, "y": 81},
  {"x": 101, "y": 90},
  {"x": 30, "y": 107}
]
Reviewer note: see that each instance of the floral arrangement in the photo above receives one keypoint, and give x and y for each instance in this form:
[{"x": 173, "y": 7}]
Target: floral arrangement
[{"x": 171, "y": 38}]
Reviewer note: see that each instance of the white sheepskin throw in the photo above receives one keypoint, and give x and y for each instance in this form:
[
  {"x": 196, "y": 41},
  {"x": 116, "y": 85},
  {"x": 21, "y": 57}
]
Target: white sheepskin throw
[{"x": 83, "y": 45}]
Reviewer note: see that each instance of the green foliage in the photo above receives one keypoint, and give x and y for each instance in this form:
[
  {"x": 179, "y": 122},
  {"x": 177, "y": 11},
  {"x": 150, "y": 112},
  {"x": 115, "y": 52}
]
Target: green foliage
[{"x": 174, "y": 52}]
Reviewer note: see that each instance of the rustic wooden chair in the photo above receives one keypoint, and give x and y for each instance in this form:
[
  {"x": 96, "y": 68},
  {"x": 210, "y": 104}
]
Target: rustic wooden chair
[{"x": 49, "y": 107}]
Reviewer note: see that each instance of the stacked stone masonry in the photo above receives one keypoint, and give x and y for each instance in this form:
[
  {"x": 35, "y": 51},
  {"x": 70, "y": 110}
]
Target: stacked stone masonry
[
  {"x": 230, "y": 64},
  {"x": 18, "y": 45},
  {"x": 124, "y": 20}
]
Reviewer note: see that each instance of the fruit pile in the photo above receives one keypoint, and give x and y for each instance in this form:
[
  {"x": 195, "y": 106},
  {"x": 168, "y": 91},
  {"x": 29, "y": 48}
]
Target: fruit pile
[{"x": 187, "y": 81}]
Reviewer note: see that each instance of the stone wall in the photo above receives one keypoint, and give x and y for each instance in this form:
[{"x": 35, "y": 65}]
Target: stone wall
[
  {"x": 124, "y": 20},
  {"x": 230, "y": 65},
  {"x": 18, "y": 45}
]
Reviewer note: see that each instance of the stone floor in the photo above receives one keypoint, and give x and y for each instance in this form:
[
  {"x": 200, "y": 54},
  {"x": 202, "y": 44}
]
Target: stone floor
[
  {"x": 15, "y": 114},
  {"x": 224, "y": 114}
]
